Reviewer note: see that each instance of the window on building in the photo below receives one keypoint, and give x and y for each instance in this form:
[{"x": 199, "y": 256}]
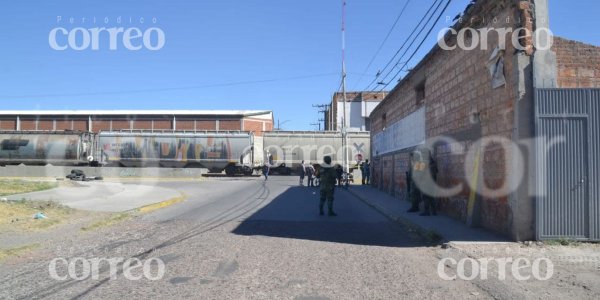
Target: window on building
[
  {"x": 420, "y": 92},
  {"x": 384, "y": 121}
]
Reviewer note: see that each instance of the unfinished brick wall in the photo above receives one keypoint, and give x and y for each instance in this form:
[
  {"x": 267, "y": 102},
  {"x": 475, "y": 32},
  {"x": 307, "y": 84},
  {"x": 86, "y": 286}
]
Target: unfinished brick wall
[
  {"x": 143, "y": 124},
  {"x": 29, "y": 124},
  {"x": 101, "y": 125},
  {"x": 206, "y": 125},
  {"x": 460, "y": 103},
  {"x": 258, "y": 126},
  {"x": 578, "y": 64},
  {"x": 8, "y": 124},
  {"x": 230, "y": 125},
  {"x": 116, "y": 123}
]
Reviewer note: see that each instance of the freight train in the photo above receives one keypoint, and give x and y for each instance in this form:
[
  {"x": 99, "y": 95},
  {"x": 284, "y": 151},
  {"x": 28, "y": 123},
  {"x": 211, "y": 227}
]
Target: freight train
[
  {"x": 227, "y": 151},
  {"x": 217, "y": 151},
  {"x": 231, "y": 151},
  {"x": 40, "y": 148}
]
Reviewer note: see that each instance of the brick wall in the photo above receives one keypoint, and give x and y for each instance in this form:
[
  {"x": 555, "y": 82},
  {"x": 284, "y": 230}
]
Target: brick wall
[
  {"x": 257, "y": 126},
  {"x": 143, "y": 124},
  {"x": 8, "y": 124},
  {"x": 230, "y": 125},
  {"x": 578, "y": 64},
  {"x": 206, "y": 125},
  {"x": 101, "y": 125},
  {"x": 107, "y": 123},
  {"x": 163, "y": 124},
  {"x": 457, "y": 88},
  {"x": 30, "y": 124}
]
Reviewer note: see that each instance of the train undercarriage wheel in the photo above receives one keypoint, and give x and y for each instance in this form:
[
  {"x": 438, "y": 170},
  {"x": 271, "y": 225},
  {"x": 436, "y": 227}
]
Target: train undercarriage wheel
[
  {"x": 248, "y": 171},
  {"x": 230, "y": 170}
]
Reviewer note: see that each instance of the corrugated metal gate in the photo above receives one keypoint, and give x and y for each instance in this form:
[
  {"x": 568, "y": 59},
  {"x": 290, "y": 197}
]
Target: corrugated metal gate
[{"x": 568, "y": 163}]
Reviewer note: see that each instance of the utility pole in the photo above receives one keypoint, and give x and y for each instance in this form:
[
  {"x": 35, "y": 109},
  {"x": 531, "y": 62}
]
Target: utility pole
[
  {"x": 280, "y": 123},
  {"x": 344, "y": 96},
  {"x": 323, "y": 108}
]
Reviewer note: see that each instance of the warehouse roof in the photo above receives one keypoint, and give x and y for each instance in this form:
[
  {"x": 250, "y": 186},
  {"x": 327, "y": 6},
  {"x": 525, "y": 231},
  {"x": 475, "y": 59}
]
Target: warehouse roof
[{"x": 245, "y": 113}]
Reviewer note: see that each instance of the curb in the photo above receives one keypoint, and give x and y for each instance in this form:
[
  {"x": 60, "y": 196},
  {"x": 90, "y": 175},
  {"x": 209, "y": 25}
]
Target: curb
[{"x": 427, "y": 234}]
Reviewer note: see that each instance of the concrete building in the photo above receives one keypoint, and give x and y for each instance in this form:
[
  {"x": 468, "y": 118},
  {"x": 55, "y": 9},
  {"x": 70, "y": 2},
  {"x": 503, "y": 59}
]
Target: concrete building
[
  {"x": 116, "y": 120},
  {"x": 359, "y": 106},
  {"x": 470, "y": 95}
]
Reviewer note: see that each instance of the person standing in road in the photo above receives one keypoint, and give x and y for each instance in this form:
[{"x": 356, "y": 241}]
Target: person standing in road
[
  {"x": 266, "y": 169},
  {"x": 310, "y": 172},
  {"x": 339, "y": 173},
  {"x": 327, "y": 175},
  {"x": 302, "y": 173},
  {"x": 362, "y": 172},
  {"x": 366, "y": 169}
]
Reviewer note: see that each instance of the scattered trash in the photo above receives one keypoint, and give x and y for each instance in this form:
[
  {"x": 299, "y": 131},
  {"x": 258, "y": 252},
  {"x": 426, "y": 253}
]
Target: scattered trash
[{"x": 39, "y": 216}]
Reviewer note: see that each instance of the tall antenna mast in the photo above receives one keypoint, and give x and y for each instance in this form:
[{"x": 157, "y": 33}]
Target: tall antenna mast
[{"x": 344, "y": 96}]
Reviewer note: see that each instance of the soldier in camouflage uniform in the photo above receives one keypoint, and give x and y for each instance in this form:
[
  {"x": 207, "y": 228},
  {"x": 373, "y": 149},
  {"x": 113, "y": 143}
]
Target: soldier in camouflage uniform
[
  {"x": 327, "y": 175},
  {"x": 422, "y": 165}
]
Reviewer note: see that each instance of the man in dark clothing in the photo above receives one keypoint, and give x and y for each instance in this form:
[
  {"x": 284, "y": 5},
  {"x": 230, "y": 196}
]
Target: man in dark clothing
[
  {"x": 421, "y": 164},
  {"x": 362, "y": 172},
  {"x": 414, "y": 193},
  {"x": 310, "y": 172},
  {"x": 430, "y": 199},
  {"x": 327, "y": 176},
  {"x": 339, "y": 172},
  {"x": 366, "y": 172}
]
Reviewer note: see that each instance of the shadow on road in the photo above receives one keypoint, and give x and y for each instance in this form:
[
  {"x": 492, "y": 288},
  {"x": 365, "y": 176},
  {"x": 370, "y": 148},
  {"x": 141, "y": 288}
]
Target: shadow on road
[{"x": 294, "y": 214}]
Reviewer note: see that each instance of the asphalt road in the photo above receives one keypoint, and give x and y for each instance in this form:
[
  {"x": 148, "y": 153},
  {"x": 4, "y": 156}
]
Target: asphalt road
[{"x": 246, "y": 239}]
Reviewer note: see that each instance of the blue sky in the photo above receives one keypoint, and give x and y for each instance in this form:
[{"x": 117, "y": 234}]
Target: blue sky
[{"x": 220, "y": 54}]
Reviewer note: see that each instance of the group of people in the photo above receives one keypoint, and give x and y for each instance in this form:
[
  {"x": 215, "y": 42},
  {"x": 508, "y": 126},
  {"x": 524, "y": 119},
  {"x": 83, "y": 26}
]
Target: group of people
[
  {"x": 327, "y": 175},
  {"x": 421, "y": 181},
  {"x": 307, "y": 170}
]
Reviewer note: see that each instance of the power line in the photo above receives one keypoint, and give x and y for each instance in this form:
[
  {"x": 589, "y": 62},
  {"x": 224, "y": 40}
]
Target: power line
[
  {"x": 383, "y": 42},
  {"x": 438, "y": 2},
  {"x": 412, "y": 42},
  {"x": 125, "y": 92},
  {"x": 419, "y": 46}
]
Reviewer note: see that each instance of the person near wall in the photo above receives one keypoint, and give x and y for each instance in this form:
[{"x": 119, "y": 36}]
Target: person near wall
[
  {"x": 422, "y": 166},
  {"x": 366, "y": 172},
  {"x": 430, "y": 198},
  {"x": 414, "y": 193}
]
